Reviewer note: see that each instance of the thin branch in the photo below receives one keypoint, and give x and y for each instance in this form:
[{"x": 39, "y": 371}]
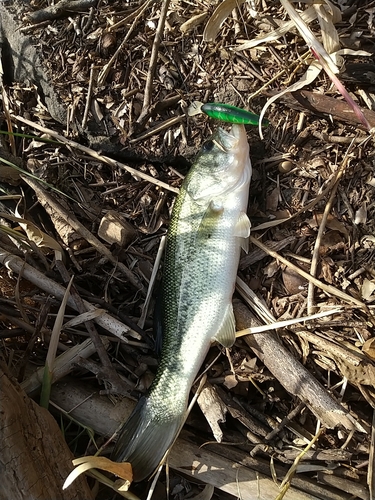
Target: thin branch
[{"x": 143, "y": 117}]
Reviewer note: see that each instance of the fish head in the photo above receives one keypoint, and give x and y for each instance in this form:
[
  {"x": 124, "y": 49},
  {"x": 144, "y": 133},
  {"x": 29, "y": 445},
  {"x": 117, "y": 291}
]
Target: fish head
[{"x": 222, "y": 165}]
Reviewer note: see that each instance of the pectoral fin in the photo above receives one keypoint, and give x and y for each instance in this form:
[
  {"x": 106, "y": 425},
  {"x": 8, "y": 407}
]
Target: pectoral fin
[
  {"x": 242, "y": 230},
  {"x": 227, "y": 331},
  {"x": 210, "y": 219}
]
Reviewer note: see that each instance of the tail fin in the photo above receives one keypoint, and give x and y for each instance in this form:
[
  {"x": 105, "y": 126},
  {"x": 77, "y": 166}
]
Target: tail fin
[{"x": 145, "y": 437}]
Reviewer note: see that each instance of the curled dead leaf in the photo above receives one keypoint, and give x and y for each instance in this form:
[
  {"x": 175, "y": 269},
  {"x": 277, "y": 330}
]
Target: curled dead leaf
[
  {"x": 369, "y": 348},
  {"x": 34, "y": 234},
  {"x": 123, "y": 470},
  {"x": 193, "y": 22},
  {"x": 367, "y": 289},
  {"x": 220, "y": 14},
  {"x": 332, "y": 223}
]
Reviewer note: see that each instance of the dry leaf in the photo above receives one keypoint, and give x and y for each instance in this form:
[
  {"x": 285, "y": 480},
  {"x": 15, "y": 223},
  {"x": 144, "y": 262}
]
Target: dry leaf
[
  {"x": 34, "y": 234},
  {"x": 9, "y": 175},
  {"x": 193, "y": 22},
  {"x": 272, "y": 199},
  {"x": 361, "y": 214},
  {"x": 332, "y": 223},
  {"x": 328, "y": 15},
  {"x": 308, "y": 36},
  {"x": 362, "y": 374},
  {"x": 195, "y": 108},
  {"x": 123, "y": 470},
  {"x": 308, "y": 15},
  {"x": 326, "y": 272},
  {"x": 368, "y": 286},
  {"x": 369, "y": 348},
  {"x": 293, "y": 282},
  {"x": 271, "y": 269},
  {"x": 331, "y": 241},
  {"x": 230, "y": 381},
  {"x": 220, "y": 14}
]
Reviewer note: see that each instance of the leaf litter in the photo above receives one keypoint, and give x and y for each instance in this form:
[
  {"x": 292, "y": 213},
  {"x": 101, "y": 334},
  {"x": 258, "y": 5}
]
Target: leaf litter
[{"x": 108, "y": 160}]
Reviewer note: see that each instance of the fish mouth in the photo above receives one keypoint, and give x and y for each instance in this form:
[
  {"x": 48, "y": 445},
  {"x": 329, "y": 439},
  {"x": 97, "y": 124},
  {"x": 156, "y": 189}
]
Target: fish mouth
[{"x": 232, "y": 139}]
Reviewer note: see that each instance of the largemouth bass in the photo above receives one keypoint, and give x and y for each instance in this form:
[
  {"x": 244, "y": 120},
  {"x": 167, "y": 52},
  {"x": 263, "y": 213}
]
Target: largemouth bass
[{"x": 208, "y": 227}]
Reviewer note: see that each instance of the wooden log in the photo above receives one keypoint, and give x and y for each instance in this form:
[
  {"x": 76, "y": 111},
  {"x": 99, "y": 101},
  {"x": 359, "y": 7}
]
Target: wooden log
[
  {"x": 293, "y": 375},
  {"x": 321, "y": 104},
  {"x": 34, "y": 457},
  {"x": 213, "y": 464}
]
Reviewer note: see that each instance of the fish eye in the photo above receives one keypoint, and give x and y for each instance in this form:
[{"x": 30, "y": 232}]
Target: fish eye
[{"x": 208, "y": 146}]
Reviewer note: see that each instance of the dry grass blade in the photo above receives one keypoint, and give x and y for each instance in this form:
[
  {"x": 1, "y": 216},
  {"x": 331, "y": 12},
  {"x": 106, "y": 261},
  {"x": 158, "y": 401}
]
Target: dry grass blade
[
  {"x": 308, "y": 36},
  {"x": 311, "y": 73},
  {"x": 254, "y": 301},
  {"x": 331, "y": 290},
  {"x": 18, "y": 299},
  {"x": 8, "y": 119},
  {"x": 329, "y": 15},
  {"x": 35, "y": 235},
  {"x": 82, "y": 318},
  {"x": 340, "y": 87},
  {"x": 315, "y": 255},
  {"x": 52, "y": 349},
  {"x": 155, "y": 270},
  {"x": 286, "y": 323},
  {"x": 152, "y": 64},
  {"x": 63, "y": 365},
  {"x": 288, "y": 478},
  {"x": 97, "y": 156},
  {"x": 155, "y": 130},
  {"x": 307, "y": 16}
]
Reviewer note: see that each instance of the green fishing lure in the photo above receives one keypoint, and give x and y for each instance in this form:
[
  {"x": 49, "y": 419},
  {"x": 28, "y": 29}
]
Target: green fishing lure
[{"x": 231, "y": 114}]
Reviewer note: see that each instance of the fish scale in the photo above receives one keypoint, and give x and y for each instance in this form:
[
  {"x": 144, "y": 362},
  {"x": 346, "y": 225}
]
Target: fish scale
[{"x": 207, "y": 230}]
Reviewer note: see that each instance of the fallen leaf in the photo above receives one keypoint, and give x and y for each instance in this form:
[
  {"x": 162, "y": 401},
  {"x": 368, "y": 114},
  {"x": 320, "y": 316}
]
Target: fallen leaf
[
  {"x": 9, "y": 175},
  {"x": 272, "y": 200},
  {"x": 369, "y": 348},
  {"x": 123, "y": 470},
  {"x": 34, "y": 234},
  {"x": 362, "y": 374},
  {"x": 220, "y": 14},
  {"x": 368, "y": 286},
  {"x": 332, "y": 223},
  {"x": 331, "y": 242},
  {"x": 307, "y": 15},
  {"x": 193, "y": 22},
  {"x": 293, "y": 282}
]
